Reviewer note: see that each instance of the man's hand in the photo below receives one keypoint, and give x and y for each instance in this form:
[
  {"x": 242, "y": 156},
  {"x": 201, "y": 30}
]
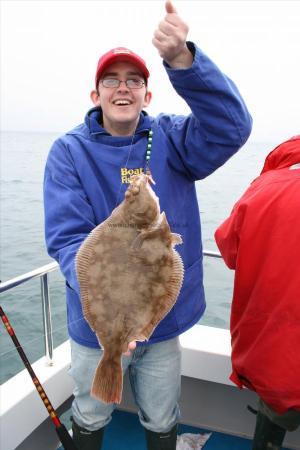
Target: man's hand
[
  {"x": 170, "y": 39},
  {"x": 131, "y": 347}
]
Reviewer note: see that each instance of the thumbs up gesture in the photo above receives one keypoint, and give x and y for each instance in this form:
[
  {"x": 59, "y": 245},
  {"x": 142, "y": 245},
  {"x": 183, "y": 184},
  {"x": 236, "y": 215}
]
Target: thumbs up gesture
[{"x": 170, "y": 39}]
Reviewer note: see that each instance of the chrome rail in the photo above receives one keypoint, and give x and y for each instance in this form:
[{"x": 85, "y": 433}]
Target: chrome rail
[
  {"x": 212, "y": 254},
  {"x": 47, "y": 322},
  {"x": 6, "y": 285},
  {"x": 42, "y": 273}
]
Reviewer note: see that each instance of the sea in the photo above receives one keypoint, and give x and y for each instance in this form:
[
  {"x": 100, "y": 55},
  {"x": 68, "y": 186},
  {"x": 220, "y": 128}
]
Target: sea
[{"x": 22, "y": 246}]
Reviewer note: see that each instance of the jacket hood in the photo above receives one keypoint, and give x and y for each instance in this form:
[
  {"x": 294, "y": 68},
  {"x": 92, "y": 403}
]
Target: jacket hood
[
  {"x": 93, "y": 120},
  {"x": 284, "y": 155}
]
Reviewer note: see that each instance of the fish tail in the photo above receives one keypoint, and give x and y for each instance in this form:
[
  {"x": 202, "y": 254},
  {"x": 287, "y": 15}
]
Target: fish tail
[{"x": 108, "y": 380}]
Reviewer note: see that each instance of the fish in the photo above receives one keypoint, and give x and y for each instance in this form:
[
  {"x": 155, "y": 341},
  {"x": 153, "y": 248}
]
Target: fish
[{"x": 130, "y": 276}]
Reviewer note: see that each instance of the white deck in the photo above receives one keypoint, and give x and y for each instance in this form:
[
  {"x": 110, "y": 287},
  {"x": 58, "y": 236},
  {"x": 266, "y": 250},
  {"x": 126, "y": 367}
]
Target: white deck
[
  {"x": 208, "y": 397},
  {"x": 22, "y": 410}
]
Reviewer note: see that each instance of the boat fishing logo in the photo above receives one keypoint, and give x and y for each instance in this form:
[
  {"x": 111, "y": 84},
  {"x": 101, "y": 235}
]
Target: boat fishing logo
[{"x": 126, "y": 173}]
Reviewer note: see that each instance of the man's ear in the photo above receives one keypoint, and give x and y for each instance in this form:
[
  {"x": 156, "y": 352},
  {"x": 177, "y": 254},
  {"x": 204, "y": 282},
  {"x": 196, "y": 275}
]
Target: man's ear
[
  {"x": 147, "y": 98},
  {"x": 95, "y": 97}
]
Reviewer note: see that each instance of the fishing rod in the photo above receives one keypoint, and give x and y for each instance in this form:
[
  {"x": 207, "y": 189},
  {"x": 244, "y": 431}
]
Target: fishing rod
[{"x": 65, "y": 439}]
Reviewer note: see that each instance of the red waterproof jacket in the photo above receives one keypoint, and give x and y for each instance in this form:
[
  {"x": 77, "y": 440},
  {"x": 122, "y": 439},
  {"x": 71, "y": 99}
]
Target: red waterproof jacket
[{"x": 261, "y": 241}]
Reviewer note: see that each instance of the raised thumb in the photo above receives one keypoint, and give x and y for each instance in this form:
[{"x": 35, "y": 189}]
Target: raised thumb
[{"x": 170, "y": 8}]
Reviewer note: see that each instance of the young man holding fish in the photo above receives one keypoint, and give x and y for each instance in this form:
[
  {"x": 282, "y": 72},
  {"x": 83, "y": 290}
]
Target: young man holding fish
[{"x": 85, "y": 179}]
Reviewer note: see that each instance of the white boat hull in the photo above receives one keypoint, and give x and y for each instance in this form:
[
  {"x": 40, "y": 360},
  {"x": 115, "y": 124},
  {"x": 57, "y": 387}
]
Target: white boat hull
[{"x": 208, "y": 400}]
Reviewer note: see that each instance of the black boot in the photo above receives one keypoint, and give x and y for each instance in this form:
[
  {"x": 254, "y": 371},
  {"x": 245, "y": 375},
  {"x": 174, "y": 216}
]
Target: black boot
[
  {"x": 267, "y": 435},
  {"x": 161, "y": 441},
  {"x": 85, "y": 439}
]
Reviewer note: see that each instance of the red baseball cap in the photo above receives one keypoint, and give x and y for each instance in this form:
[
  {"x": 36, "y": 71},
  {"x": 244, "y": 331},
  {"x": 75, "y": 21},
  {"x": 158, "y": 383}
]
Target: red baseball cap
[{"x": 120, "y": 54}]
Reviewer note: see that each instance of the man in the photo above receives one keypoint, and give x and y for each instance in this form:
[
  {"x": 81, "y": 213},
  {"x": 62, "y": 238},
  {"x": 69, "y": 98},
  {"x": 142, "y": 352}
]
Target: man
[
  {"x": 260, "y": 241},
  {"x": 86, "y": 175}
]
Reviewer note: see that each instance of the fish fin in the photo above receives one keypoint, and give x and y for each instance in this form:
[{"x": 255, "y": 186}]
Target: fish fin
[
  {"x": 140, "y": 338},
  {"x": 138, "y": 242},
  {"x": 164, "y": 224},
  {"x": 173, "y": 287},
  {"x": 148, "y": 330},
  {"x": 151, "y": 234},
  {"x": 108, "y": 379},
  {"x": 163, "y": 218},
  {"x": 176, "y": 239}
]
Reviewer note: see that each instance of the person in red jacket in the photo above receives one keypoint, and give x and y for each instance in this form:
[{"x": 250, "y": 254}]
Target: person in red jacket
[{"x": 261, "y": 241}]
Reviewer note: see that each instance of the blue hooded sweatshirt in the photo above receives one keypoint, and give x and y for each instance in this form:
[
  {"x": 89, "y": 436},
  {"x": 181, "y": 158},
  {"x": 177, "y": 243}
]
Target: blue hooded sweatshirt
[{"x": 88, "y": 170}]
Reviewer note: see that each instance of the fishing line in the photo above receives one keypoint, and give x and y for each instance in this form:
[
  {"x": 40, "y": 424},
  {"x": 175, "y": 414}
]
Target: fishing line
[
  {"x": 127, "y": 161},
  {"x": 146, "y": 168}
]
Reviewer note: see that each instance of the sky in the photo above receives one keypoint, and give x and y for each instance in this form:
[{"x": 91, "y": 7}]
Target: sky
[{"x": 50, "y": 49}]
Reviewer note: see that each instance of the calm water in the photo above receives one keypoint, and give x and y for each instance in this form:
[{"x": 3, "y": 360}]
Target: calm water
[{"x": 22, "y": 248}]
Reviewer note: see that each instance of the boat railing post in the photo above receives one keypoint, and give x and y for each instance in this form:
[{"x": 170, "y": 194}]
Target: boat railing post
[{"x": 46, "y": 306}]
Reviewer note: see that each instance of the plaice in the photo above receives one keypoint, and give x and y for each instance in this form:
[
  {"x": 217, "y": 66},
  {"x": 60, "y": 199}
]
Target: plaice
[{"x": 130, "y": 276}]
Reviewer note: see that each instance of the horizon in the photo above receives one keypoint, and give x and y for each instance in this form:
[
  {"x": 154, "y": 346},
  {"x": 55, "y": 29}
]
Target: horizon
[{"x": 61, "y": 133}]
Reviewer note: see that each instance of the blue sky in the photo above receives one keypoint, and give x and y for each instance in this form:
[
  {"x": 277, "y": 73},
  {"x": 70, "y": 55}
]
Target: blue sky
[{"x": 49, "y": 52}]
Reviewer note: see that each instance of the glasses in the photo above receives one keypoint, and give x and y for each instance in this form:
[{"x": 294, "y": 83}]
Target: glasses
[{"x": 131, "y": 83}]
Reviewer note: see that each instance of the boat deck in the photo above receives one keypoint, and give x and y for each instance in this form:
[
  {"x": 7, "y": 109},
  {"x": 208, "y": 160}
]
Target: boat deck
[{"x": 124, "y": 432}]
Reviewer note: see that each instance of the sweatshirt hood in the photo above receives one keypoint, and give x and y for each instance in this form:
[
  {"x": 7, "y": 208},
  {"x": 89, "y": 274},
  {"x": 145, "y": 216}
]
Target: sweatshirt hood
[
  {"x": 93, "y": 120},
  {"x": 284, "y": 155}
]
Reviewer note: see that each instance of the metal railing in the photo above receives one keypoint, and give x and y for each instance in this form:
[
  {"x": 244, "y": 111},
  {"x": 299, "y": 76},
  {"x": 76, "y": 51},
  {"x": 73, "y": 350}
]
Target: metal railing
[
  {"x": 42, "y": 273},
  {"x": 212, "y": 254}
]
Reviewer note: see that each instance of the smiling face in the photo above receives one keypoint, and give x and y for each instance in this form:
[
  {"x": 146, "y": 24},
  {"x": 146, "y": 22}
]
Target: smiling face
[{"x": 121, "y": 106}]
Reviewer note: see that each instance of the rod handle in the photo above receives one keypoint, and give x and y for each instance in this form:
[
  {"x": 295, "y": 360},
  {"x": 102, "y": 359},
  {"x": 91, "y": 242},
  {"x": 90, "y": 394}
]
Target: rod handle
[{"x": 65, "y": 439}]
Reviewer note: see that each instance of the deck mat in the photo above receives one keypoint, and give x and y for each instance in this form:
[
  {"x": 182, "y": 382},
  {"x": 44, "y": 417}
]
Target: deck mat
[{"x": 124, "y": 432}]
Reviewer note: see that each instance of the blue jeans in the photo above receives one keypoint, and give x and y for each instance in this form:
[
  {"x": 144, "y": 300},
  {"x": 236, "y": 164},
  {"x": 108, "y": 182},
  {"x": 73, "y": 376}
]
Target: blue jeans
[{"x": 154, "y": 373}]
